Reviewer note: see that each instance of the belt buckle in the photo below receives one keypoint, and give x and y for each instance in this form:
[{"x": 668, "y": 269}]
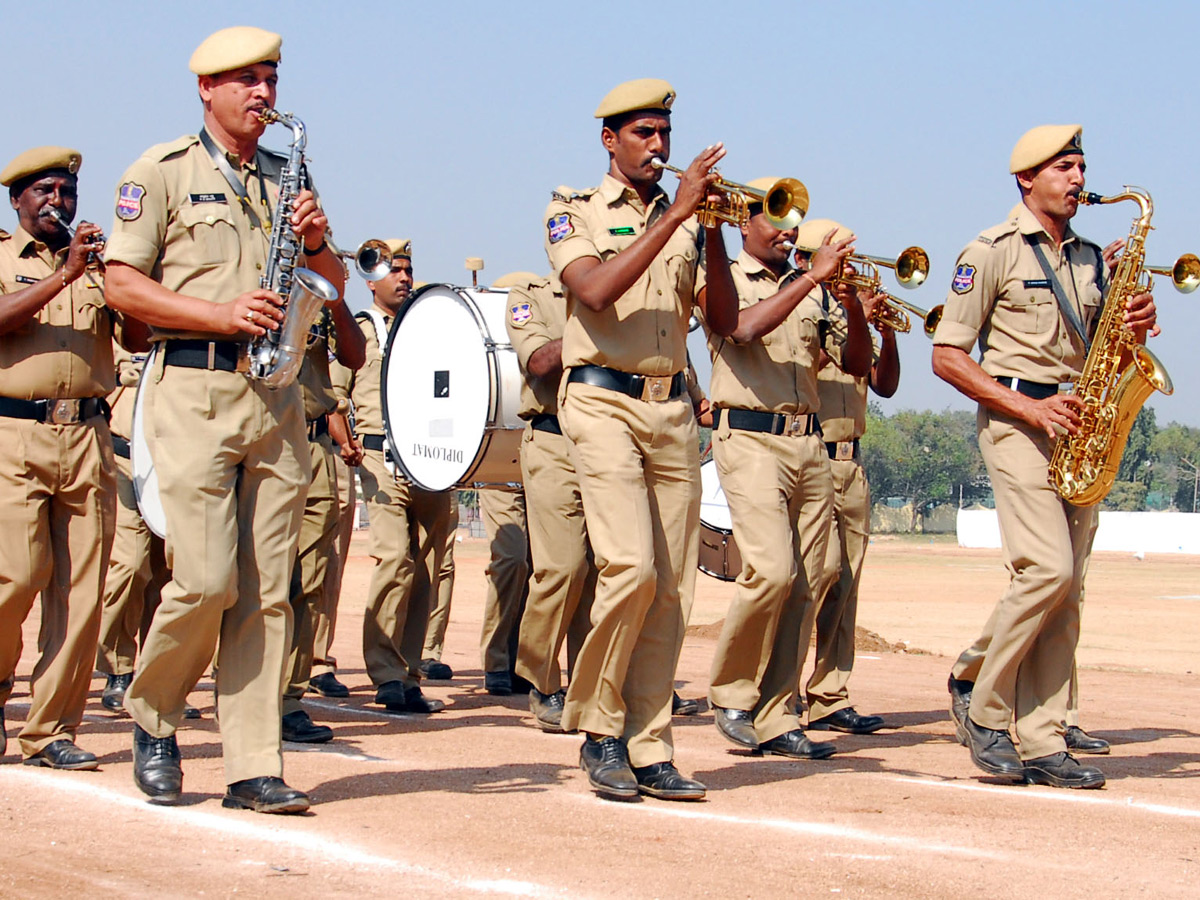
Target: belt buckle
[
  {"x": 845, "y": 450},
  {"x": 797, "y": 424},
  {"x": 243, "y": 360},
  {"x": 656, "y": 387},
  {"x": 64, "y": 412}
]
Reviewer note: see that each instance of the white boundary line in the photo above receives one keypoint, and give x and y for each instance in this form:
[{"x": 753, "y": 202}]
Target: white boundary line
[{"x": 1061, "y": 796}]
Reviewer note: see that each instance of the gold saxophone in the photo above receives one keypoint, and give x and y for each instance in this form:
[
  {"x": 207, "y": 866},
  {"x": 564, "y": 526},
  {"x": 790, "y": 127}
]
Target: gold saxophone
[{"x": 1118, "y": 375}]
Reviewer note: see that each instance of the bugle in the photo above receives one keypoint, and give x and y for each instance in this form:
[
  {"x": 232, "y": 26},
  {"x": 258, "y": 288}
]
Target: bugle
[
  {"x": 93, "y": 258},
  {"x": 785, "y": 203},
  {"x": 1185, "y": 274},
  {"x": 372, "y": 259}
]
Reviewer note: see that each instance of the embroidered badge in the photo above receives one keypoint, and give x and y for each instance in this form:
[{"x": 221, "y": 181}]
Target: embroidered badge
[
  {"x": 964, "y": 279},
  {"x": 559, "y": 227},
  {"x": 129, "y": 203},
  {"x": 521, "y": 313}
]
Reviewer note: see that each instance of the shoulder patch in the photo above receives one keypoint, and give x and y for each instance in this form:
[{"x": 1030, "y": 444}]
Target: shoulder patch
[
  {"x": 964, "y": 279},
  {"x": 129, "y": 202},
  {"x": 559, "y": 227},
  {"x": 520, "y": 313}
]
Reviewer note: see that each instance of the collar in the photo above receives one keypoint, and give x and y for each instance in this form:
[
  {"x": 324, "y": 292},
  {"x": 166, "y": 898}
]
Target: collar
[
  {"x": 612, "y": 191},
  {"x": 232, "y": 157},
  {"x": 28, "y": 246},
  {"x": 1027, "y": 223},
  {"x": 755, "y": 269}
]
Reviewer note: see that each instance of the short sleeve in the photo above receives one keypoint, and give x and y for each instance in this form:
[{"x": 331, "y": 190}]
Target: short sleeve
[
  {"x": 526, "y": 323},
  {"x": 140, "y": 218},
  {"x": 972, "y": 293},
  {"x": 568, "y": 237}
]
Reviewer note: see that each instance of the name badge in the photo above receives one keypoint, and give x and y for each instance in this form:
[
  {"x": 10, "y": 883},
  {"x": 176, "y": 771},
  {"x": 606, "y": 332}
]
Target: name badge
[
  {"x": 26, "y": 279},
  {"x": 621, "y": 232},
  {"x": 208, "y": 198},
  {"x": 1037, "y": 283}
]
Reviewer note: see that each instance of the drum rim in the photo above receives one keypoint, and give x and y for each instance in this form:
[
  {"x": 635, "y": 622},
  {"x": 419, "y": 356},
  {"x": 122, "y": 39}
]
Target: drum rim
[{"x": 135, "y": 419}]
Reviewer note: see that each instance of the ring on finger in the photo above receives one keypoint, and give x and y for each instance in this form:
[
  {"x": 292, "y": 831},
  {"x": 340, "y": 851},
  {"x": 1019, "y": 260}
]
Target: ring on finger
[{"x": 250, "y": 315}]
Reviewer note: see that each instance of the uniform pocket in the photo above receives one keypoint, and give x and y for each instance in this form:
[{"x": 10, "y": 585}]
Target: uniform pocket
[{"x": 214, "y": 237}]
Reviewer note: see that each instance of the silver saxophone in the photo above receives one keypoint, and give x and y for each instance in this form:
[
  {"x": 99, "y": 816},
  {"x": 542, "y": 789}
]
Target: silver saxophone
[{"x": 276, "y": 357}]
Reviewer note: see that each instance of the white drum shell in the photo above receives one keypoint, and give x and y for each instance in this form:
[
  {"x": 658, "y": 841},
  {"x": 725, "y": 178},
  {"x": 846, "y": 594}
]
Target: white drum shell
[
  {"x": 145, "y": 478},
  {"x": 714, "y": 509}
]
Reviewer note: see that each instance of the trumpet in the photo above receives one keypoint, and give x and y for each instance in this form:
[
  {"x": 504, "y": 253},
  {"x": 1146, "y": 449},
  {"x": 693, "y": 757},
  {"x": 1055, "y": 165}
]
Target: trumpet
[
  {"x": 93, "y": 258},
  {"x": 785, "y": 203},
  {"x": 890, "y": 312},
  {"x": 372, "y": 259},
  {"x": 1185, "y": 274}
]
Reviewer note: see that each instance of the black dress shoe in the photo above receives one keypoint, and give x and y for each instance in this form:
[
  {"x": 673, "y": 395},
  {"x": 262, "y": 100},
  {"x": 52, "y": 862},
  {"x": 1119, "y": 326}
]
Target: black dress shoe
[
  {"x": 113, "y": 698},
  {"x": 190, "y": 712},
  {"x": 397, "y": 698},
  {"x": 547, "y": 710},
  {"x": 960, "y": 706},
  {"x": 662, "y": 780},
  {"x": 63, "y": 754},
  {"x": 992, "y": 750},
  {"x": 795, "y": 744},
  {"x": 435, "y": 670},
  {"x": 1061, "y": 770},
  {"x": 1080, "y": 741},
  {"x": 498, "y": 684},
  {"x": 265, "y": 794},
  {"x": 520, "y": 684},
  {"x": 327, "y": 685},
  {"x": 299, "y": 728},
  {"x": 847, "y": 721},
  {"x": 156, "y": 768},
  {"x": 681, "y": 707},
  {"x": 736, "y": 725},
  {"x": 606, "y": 762}
]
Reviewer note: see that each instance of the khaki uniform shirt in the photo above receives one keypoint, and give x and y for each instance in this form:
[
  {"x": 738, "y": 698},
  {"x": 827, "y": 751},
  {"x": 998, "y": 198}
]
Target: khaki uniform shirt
[
  {"x": 315, "y": 381},
  {"x": 363, "y": 388},
  {"x": 129, "y": 373},
  {"x": 776, "y": 373},
  {"x": 64, "y": 351},
  {"x": 537, "y": 315},
  {"x": 1000, "y": 299},
  {"x": 645, "y": 331},
  {"x": 843, "y": 397}
]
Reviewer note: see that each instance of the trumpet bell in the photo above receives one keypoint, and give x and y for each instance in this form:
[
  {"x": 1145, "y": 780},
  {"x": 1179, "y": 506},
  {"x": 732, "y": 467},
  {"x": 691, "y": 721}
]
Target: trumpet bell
[
  {"x": 373, "y": 260},
  {"x": 912, "y": 267},
  {"x": 1185, "y": 274},
  {"x": 786, "y": 203},
  {"x": 932, "y": 318}
]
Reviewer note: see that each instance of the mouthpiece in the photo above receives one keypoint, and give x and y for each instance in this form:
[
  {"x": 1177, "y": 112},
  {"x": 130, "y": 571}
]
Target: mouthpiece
[
  {"x": 656, "y": 163},
  {"x": 1090, "y": 199}
]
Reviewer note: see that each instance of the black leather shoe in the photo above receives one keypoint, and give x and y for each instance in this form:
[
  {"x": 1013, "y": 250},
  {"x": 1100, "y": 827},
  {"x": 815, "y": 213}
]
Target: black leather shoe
[
  {"x": 299, "y": 728},
  {"x": 156, "y": 768},
  {"x": 520, "y": 685},
  {"x": 960, "y": 706},
  {"x": 266, "y": 794},
  {"x": 662, "y": 780},
  {"x": 795, "y": 744},
  {"x": 547, "y": 710},
  {"x": 327, "y": 685},
  {"x": 992, "y": 750},
  {"x": 190, "y": 712},
  {"x": 736, "y": 725},
  {"x": 63, "y": 754},
  {"x": 681, "y": 707},
  {"x": 435, "y": 670},
  {"x": 1062, "y": 771},
  {"x": 606, "y": 762},
  {"x": 498, "y": 684},
  {"x": 847, "y": 721},
  {"x": 397, "y": 698},
  {"x": 1080, "y": 741},
  {"x": 113, "y": 698}
]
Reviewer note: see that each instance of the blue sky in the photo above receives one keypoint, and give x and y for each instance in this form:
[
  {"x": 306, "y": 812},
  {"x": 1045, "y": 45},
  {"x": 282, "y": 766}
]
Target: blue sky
[{"x": 450, "y": 124}]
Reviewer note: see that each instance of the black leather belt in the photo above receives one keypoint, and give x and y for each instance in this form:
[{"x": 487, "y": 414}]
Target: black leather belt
[
  {"x": 121, "y": 446},
  {"x": 373, "y": 441},
  {"x": 223, "y": 356},
  {"x": 842, "y": 449},
  {"x": 641, "y": 387},
  {"x": 1031, "y": 389},
  {"x": 545, "y": 422},
  {"x": 768, "y": 423},
  {"x": 55, "y": 412},
  {"x": 318, "y": 427}
]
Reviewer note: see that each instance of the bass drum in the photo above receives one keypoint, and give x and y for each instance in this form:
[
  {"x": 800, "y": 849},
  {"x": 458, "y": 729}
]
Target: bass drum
[
  {"x": 719, "y": 556},
  {"x": 145, "y": 479},
  {"x": 452, "y": 390}
]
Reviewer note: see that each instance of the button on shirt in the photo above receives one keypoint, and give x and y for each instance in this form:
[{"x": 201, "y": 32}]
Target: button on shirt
[
  {"x": 536, "y": 315},
  {"x": 645, "y": 330}
]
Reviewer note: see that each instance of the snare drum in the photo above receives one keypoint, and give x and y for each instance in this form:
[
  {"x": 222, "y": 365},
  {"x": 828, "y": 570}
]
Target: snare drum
[
  {"x": 452, "y": 390},
  {"x": 719, "y": 556},
  {"x": 145, "y": 478}
]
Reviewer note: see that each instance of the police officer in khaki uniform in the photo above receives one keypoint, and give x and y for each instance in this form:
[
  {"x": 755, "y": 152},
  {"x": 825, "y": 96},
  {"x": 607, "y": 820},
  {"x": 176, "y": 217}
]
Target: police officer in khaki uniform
[
  {"x": 775, "y": 473},
  {"x": 564, "y": 571},
  {"x": 627, "y": 259},
  {"x": 1003, "y": 297},
  {"x": 504, "y": 520},
  {"x": 189, "y": 245},
  {"x": 57, "y": 477},
  {"x": 408, "y": 525},
  {"x": 432, "y": 667},
  {"x": 843, "y": 400}
]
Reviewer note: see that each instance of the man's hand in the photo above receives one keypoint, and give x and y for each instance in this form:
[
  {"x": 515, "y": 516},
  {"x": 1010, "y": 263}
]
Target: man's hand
[
  {"x": 352, "y": 452},
  {"x": 698, "y": 178},
  {"x": 1142, "y": 316},
  {"x": 1055, "y": 414},
  {"x": 1112, "y": 251},
  {"x": 829, "y": 257},
  {"x": 88, "y": 239},
  {"x": 254, "y": 312},
  {"x": 309, "y": 221},
  {"x": 870, "y": 303}
]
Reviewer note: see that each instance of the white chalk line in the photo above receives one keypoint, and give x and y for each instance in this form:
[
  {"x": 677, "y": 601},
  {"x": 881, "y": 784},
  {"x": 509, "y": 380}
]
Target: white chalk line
[
  {"x": 1059, "y": 795},
  {"x": 311, "y": 845}
]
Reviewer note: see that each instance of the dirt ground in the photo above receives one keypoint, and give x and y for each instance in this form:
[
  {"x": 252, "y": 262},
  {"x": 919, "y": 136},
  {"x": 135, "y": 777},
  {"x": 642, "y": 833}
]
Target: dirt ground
[{"x": 475, "y": 800}]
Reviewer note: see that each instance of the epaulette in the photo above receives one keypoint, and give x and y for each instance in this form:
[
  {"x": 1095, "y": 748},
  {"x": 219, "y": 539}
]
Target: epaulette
[
  {"x": 4, "y": 235},
  {"x": 160, "y": 152},
  {"x": 565, "y": 194},
  {"x": 991, "y": 235},
  {"x": 362, "y": 315}
]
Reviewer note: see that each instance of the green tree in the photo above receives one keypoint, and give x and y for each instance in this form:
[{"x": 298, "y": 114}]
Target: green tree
[
  {"x": 1126, "y": 496},
  {"x": 1138, "y": 448},
  {"x": 1175, "y": 453}
]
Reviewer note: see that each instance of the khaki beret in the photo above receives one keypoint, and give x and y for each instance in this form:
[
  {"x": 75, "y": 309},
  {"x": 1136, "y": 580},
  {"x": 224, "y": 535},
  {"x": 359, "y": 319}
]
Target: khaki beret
[
  {"x": 1043, "y": 143},
  {"x": 40, "y": 159},
  {"x": 233, "y": 48},
  {"x": 512, "y": 279},
  {"x": 811, "y": 234},
  {"x": 400, "y": 248},
  {"x": 762, "y": 184},
  {"x": 643, "y": 93}
]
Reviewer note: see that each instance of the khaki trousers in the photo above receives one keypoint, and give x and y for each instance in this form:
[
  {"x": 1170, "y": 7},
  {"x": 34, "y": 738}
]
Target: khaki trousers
[
  {"x": 137, "y": 571},
  {"x": 439, "y": 616},
  {"x": 408, "y": 541},
  {"x": 639, "y": 474},
  {"x": 58, "y": 496},
  {"x": 564, "y": 575},
  {"x": 837, "y": 612},
  {"x": 318, "y": 535},
  {"x": 325, "y": 615},
  {"x": 1026, "y": 653},
  {"x": 780, "y": 494},
  {"x": 507, "y": 574},
  {"x": 231, "y": 456}
]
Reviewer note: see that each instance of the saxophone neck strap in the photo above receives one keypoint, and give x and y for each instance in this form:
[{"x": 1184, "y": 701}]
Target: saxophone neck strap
[
  {"x": 1060, "y": 295},
  {"x": 222, "y": 163}
]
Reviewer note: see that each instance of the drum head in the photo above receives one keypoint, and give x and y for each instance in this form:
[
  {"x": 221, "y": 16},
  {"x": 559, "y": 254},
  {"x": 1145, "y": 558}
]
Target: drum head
[
  {"x": 145, "y": 478},
  {"x": 438, "y": 386},
  {"x": 714, "y": 510}
]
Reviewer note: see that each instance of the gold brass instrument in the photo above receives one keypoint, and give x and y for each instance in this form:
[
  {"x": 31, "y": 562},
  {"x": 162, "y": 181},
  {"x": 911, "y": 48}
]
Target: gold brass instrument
[
  {"x": 1185, "y": 274},
  {"x": 785, "y": 203},
  {"x": 372, "y": 259},
  {"x": 890, "y": 312}
]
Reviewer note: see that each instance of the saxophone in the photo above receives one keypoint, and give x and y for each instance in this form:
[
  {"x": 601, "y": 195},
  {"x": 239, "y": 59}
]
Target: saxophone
[
  {"x": 276, "y": 357},
  {"x": 1118, "y": 375}
]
